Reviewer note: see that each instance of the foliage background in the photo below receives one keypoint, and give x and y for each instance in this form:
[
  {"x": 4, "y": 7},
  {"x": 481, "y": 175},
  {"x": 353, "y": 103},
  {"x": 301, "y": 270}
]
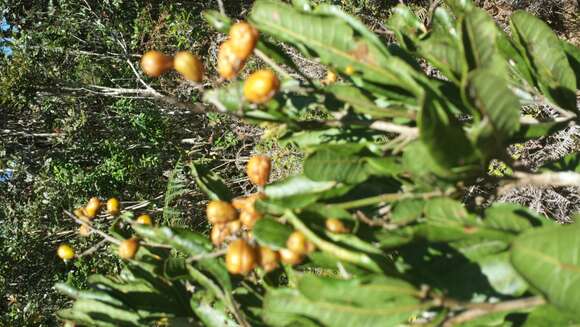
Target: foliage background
[{"x": 64, "y": 144}]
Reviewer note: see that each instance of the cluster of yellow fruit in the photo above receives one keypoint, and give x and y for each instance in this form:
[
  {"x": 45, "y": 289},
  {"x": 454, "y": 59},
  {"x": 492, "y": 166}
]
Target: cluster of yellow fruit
[
  {"x": 127, "y": 248},
  {"x": 259, "y": 87},
  {"x": 92, "y": 209},
  {"x": 155, "y": 63},
  {"x": 234, "y": 221}
]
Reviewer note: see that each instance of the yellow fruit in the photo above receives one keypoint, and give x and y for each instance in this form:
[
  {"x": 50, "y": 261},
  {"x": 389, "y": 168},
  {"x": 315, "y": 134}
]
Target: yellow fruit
[
  {"x": 155, "y": 63},
  {"x": 144, "y": 219},
  {"x": 234, "y": 226},
  {"x": 247, "y": 203},
  {"x": 249, "y": 219},
  {"x": 243, "y": 37},
  {"x": 336, "y": 226},
  {"x": 84, "y": 230},
  {"x": 261, "y": 86},
  {"x": 258, "y": 170},
  {"x": 228, "y": 63},
  {"x": 113, "y": 206},
  {"x": 298, "y": 243},
  {"x": 290, "y": 257},
  {"x": 93, "y": 207},
  {"x": 65, "y": 252},
  {"x": 331, "y": 77},
  {"x": 219, "y": 233},
  {"x": 349, "y": 70},
  {"x": 188, "y": 65},
  {"x": 240, "y": 257},
  {"x": 220, "y": 212},
  {"x": 81, "y": 214},
  {"x": 268, "y": 258},
  {"x": 128, "y": 248}
]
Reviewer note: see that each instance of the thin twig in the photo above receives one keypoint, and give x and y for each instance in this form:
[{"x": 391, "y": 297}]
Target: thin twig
[
  {"x": 92, "y": 229},
  {"x": 566, "y": 178},
  {"x": 476, "y": 310},
  {"x": 92, "y": 249},
  {"x": 272, "y": 63},
  {"x": 203, "y": 256}
]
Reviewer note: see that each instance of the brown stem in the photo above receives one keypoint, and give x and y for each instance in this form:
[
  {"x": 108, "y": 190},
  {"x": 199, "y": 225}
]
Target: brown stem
[{"x": 476, "y": 310}]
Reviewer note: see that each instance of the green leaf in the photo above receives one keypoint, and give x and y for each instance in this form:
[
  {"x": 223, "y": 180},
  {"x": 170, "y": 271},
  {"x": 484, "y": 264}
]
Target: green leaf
[
  {"x": 479, "y": 41},
  {"x": 339, "y": 314},
  {"x": 212, "y": 316},
  {"x": 406, "y": 26},
  {"x": 549, "y": 259},
  {"x": 548, "y": 315},
  {"x": 501, "y": 274},
  {"x": 219, "y": 22},
  {"x": 499, "y": 107},
  {"x": 336, "y": 163},
  {"x": 407, "y": 210},
  {"x": 369, "y": 291},
  {"x": 227, "y": 98},
  {"x": 442, "y": 47},
  {"x": 296, "y": 185},
  {"x": 573, "y": 54},
  {"x": 512, "y": 218},
  {"x": 181, "y": 239},
  {"x": 333, "y": 39},
  {"x": 443, "y": 136},
  {"x": 361, "y": 102},
  {"x": 211, "y": 183},
  {"x": 545, "y": 55},
  {"x": 385, "y": 166},
  {"x": 268, "y": 231},
  {"x": 446, "y": 209}
]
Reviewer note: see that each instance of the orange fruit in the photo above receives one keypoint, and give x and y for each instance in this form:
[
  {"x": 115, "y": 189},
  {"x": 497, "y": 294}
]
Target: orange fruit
[
  {"x": 144, "y": 219},
  {"x": 113, "y": 206},
  {"x": 155, "y": 63},
  {"x": 188, "y": 65},
  {"x": 268, "y": 258},
  {"x": 258, "y": 170},
  {"x": 241, "y": 257},
  {"x": 228, "y": 63},
  {"x": 290, "y": 257},
  {"x": 219, "y": 212},
  {"x": 93, "y": 207},
  {"x": 336, "y": 226},
  {"x": 298, "y": 243},
  {"x": 261, "y": 86},
  {"x": 249, "y": 219},
  {"x": 219, "y": 233},
  {"x": 128, "y": 248},
  {"x": 243, "y": 37}
]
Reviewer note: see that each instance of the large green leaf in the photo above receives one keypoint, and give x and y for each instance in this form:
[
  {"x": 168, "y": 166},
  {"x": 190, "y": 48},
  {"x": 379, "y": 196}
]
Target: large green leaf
[
  {"x": 443, "y": 136},
  {"x": 211, "y": 315},
  {"x": 499, "y": 107},
  {"x": 369, "y": 291},
  {"x": 333, "y": 39},
  {"x": 442, "y": 48},
  {"x": 268, "y": 231},
  {"x": 549, "y": 259},
  {"x": 297, "y": 185},
  {"x": 479, "y": 41},
  {"x": 548, "y": 315},
  {"x": 573, "y": 54},
  {"x": 544, "y": 52},
  {"x": 336, "y": 163},
  {"x": 339, "y": 313},
  {"x": 181, "y": 239},
  {"x": 363, "y": 104}
]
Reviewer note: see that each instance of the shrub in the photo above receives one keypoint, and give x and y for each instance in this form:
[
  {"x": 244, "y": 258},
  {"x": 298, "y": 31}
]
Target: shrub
[{"x": 388, "y": 165}]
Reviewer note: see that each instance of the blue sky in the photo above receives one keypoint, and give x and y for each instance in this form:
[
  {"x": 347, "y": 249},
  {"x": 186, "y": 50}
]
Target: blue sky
[{"x": 4, "y": 27}]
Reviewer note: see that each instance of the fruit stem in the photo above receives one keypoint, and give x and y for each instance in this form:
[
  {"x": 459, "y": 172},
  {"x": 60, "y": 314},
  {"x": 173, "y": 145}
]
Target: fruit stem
[
  {"x": 337, "y": 251},
  {"x": 388, "y": 197},
  {"x": 103, "y": 234}
]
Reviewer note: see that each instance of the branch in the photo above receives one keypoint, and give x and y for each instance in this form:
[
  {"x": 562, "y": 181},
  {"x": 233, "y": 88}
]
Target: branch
[
  {"x": 545, "y": 179},
  {"x": 477, "y": 310}
]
